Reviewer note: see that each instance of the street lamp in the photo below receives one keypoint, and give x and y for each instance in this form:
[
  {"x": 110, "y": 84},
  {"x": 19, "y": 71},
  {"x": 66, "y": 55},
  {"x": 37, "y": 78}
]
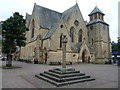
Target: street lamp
[
  {"x": 64, "y": 41},
  {"x": 118, "y": 39}
]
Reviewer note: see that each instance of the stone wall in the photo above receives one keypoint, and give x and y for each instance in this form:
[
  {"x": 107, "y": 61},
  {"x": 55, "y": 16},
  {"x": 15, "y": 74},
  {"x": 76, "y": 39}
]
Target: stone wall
[
  {"x": 27, "y": 52},
  {"x": 57, "y": 56}
]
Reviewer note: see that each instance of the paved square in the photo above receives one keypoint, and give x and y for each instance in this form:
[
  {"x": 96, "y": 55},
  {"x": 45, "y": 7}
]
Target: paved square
[{"x": 106, "y": 76}]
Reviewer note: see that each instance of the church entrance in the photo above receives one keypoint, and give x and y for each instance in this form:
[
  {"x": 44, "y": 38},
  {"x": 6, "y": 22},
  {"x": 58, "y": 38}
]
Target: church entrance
[
  {"x": 84, "y": 54},
  {"x": 45, "y": 54},
  {"x": 45, "y": 58},
  {"x": 83, "y": 57}
]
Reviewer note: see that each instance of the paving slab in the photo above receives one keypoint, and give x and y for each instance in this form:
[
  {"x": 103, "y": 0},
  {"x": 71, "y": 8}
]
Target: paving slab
[{"x": 106, "y": 76}]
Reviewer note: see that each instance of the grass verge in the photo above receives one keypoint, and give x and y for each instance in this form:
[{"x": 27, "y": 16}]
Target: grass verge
[{"x": 11, "y": 67}]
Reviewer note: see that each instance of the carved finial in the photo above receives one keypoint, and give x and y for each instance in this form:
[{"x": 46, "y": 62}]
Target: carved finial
[
  {"x": 76, "y": 1},
  {"x": 95, "y": 4},
  {"x": 35, "y": 3}
]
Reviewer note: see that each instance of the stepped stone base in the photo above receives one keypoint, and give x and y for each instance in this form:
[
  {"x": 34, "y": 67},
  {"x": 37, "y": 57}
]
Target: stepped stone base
[{"x": 63, "y": 76}]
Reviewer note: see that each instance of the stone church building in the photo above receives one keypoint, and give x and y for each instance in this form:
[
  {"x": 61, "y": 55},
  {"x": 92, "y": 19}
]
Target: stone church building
[{"x": 87, "y": 41}]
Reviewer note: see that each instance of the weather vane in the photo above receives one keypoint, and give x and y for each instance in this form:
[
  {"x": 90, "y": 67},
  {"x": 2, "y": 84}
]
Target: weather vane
[{"x": 96, "y": 4}]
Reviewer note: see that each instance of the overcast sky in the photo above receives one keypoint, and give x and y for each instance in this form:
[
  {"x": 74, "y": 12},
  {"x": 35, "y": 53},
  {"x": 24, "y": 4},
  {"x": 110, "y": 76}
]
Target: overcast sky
[{"x": 109, "y": 7}]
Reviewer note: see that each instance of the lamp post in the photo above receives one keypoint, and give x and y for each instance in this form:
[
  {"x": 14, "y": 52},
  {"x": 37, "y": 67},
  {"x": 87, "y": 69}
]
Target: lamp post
[
  {"x": 64, "y": 41},
  {"x": 118, "y": 39}
]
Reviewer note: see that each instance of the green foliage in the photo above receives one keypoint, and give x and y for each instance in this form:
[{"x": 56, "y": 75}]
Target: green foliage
[
  {"x": 13, "y": 32},
  {"x": 7, "y": 67},
  {"x": 0, "y": 42},
  {"x": 117, "y": 47}
]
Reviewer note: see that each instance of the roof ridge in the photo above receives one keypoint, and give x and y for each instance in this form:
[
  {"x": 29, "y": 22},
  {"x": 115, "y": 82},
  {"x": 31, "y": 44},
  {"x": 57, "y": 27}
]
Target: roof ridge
[
  {"x": 69, "y": 9},
  {"x": 48, "y": 9},
  {"x": 47, "y": 17},
  {"x": 67, "y": 12}
]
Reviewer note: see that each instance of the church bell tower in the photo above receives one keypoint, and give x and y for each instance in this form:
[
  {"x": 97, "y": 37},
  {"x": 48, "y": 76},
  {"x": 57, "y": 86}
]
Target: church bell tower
[{"x": 98, "y": 35}]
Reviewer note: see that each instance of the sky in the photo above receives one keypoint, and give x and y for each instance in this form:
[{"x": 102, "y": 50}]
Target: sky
[
  {"x": 119, "y": 19},
  {"x": 108, "y": 7}
]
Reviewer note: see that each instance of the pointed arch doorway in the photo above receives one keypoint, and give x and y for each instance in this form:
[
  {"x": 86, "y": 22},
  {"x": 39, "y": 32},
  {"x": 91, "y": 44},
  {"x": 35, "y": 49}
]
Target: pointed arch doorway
[
  {"x": 84, "y": 54},
  {"x": 83, "y": 57}
]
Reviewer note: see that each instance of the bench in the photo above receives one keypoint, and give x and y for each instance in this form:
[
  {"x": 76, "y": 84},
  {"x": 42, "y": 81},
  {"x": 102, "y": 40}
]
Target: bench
[{"x": 54, "y": 63}]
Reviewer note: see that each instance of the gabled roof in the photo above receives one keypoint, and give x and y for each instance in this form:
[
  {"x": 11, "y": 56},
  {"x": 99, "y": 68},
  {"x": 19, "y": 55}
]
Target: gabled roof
[
  {"x": 76, "y": 47},
  {"x": 64, "y": 17},
  {"x": 47, "y": 17},
  {"x": 50, "y": 31},
  {"x": 96, "y": 10},
  {"x": 67, "y": 13},
  {"x": 91, "y": 49}
]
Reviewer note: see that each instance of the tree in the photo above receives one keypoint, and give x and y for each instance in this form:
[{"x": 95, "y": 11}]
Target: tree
[
  {"x": 116, "y": 46},
  {"x": 13, "y": 32}
]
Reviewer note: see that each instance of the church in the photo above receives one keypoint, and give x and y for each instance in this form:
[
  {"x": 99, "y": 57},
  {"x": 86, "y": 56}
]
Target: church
[{"x": 87, "y": 41}]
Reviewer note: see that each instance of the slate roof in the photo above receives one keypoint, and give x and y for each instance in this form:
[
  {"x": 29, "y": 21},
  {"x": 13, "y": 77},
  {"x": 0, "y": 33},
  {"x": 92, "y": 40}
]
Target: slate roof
[
  {"x": 28, "y": 18},
  {"x": 64, "y": 16},
  {"x": 76, "y": 47},
  {"x": 67, "y": 13},
  {"x": 51, "y": 31},
  {"x": 91, "y": 49},
  {"x": 47, "y": 17},
  {"x": 95, "y": 10},
  {"x": 97, "y": 21}
]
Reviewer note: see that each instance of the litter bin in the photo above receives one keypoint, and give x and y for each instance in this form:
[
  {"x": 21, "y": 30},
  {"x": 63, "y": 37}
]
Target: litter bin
[{"x": 35, "y": 61}]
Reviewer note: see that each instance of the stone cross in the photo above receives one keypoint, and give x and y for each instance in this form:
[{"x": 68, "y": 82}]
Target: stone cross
[{"x": 64, "y": 41}]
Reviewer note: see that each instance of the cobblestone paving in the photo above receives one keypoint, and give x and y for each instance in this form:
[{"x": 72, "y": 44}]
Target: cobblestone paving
[{"x": 106, "y": 76}]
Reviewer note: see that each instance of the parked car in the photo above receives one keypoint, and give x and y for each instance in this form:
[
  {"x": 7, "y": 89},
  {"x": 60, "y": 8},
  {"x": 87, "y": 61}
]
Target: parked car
[{"x": 3, "y": 58}]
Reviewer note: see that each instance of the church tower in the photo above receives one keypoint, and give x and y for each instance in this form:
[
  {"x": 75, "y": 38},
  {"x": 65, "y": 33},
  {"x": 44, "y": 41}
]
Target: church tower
[{"x": 98, "y": 35}]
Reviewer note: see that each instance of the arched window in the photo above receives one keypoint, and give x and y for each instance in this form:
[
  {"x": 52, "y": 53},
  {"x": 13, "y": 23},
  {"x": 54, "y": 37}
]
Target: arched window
[
  {"x": 72, "y": 33},
  {"x": 95, "y": 16},
  {"x": 61, "y": 41},
  {"x": 33, "y": 27},
  {"x": 80, "y": 35}
]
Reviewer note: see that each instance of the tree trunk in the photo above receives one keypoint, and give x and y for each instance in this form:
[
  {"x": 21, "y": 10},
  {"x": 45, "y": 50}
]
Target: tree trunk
[{"x": 9, "y": 60}]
